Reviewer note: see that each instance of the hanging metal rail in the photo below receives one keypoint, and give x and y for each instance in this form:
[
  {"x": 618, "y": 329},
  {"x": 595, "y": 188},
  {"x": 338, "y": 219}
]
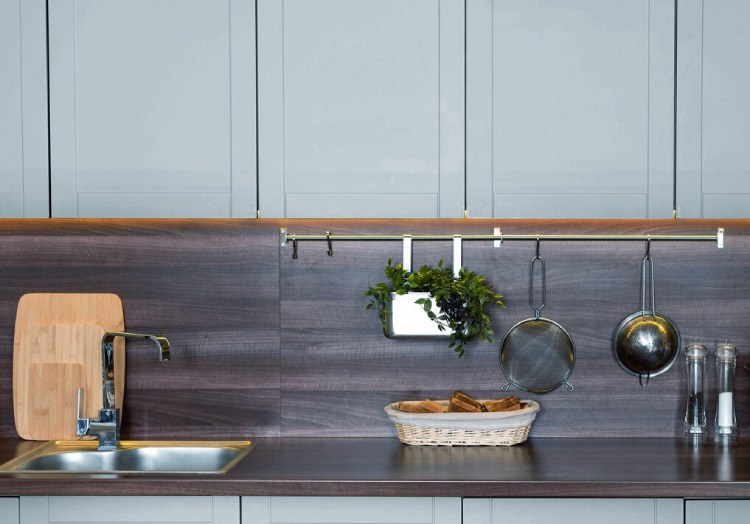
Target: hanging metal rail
[{"x": 497, "y": 236}]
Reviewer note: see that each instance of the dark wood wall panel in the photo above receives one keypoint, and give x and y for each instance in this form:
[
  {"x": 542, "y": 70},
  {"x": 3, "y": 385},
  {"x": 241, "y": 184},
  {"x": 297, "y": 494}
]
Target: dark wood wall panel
[
  {"x": 210, "y": 286},
  {"x": 338, "y": 370},
  {"x": 264, "y": 345}
]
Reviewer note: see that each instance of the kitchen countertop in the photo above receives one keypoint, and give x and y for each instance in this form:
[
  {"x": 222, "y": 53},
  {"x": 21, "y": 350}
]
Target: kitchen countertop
[{"x": 542, "y": 467}]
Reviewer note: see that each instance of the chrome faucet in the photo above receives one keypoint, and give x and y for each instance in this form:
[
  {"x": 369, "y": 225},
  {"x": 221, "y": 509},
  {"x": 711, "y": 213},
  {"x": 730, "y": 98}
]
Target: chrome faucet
[{"x": 106, "y": 427}]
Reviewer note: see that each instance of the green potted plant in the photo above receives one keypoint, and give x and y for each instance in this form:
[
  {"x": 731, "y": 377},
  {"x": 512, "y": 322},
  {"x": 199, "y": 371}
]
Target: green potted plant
[{"x": 433, "y": 302}]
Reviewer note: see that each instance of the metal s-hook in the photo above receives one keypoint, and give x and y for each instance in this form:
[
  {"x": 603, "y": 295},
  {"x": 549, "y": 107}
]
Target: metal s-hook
[
  {"x": 537, "y": 310},
  {"x": 648, "y": 247},
  {"x": 406, "y": 254},
  {"x": 457, "y": 261},
  {"x": 294, "y": 247},
  {"x": 330, "y": 244}
]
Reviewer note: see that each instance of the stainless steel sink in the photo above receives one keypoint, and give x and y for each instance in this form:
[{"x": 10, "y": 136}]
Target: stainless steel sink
[{"x": 159, "y": 456}]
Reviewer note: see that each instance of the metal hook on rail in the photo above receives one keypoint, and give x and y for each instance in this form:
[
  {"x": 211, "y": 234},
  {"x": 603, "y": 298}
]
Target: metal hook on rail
[
  {"x": 330, "y": 244},
  {"x": 294, "y": 247}
]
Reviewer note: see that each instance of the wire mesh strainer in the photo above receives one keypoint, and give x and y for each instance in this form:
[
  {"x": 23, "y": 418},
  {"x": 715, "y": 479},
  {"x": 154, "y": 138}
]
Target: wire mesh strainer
[{"x": 537, "y": 354}]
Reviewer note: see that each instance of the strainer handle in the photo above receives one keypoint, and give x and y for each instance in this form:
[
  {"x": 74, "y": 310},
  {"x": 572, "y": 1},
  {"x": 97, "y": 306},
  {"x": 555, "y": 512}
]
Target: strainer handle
[
  {"x": 647, "y": 278},
  {"x": 537, "y": 310}
]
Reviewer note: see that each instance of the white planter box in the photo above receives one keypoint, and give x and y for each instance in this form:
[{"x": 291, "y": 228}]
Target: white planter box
[{"x": 409, "y": 320}]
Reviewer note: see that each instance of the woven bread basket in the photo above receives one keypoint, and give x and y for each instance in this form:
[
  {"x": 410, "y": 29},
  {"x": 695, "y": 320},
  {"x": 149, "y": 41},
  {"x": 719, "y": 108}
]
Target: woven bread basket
[{"x": 463, "y": 429}]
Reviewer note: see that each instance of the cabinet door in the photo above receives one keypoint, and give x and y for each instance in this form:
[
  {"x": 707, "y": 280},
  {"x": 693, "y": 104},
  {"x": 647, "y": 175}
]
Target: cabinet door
[
  {"x": 9, "y": 510},
  {"x": 713, "y": 109},
  {"x": 361, "y": 108},
  {"x": 351, "y": 510},
  {"x": 130, "y": 510},
  {"x": 23, "y": 109},
  {"x": 570, "y": 108},
  {"x": 152, "y": 108},
  {"x": 573, "y": 511},
  {"x": 716, "y": 511}
]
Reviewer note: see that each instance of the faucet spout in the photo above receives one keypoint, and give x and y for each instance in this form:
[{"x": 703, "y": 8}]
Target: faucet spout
[
  {"x": 108, "y": 361},
  {"x": 106, "y": 427}
]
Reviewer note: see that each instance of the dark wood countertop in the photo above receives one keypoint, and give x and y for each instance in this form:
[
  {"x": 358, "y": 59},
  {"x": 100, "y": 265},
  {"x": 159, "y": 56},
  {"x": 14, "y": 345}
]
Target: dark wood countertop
[{"x": 543, "y": 467}]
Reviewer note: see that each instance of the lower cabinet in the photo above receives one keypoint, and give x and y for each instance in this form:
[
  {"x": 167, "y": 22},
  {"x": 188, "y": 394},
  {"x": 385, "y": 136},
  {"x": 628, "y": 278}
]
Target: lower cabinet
[
  {"x": 351, "y": 510},
  {"x": 572, "y": 511},
  {"x": 367, "y": 510},
  {"x": 717, "y": 511},
  {"x": 129, "y": 510},
  {"x": 9, "y": 510}
]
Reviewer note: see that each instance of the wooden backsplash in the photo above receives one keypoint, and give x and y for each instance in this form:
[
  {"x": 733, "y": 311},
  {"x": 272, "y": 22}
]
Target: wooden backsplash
[{"x": 265, "y": 345}]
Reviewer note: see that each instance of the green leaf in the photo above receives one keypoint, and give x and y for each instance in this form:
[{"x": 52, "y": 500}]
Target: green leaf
[{"x": 463, "y": 301}]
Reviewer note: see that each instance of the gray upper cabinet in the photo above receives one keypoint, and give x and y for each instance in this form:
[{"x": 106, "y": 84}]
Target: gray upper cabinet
[
  {"x": 361, "y": 108},
  {"x": 570, "y": 108},
  {"x": 713, "y": 109},
  {"x": 24, "y": 168},
  {"x": 374, "y": 108},
  {"x": 152, "y": 108}
]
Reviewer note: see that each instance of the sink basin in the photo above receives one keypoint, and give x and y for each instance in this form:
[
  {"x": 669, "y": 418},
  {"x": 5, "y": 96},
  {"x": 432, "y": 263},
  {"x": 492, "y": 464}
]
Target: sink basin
[{"x": 132, "y": 456}]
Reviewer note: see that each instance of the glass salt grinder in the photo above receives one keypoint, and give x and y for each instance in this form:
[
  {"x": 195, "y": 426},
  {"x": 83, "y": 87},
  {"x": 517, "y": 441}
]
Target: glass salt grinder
[
  {"x": 726, "y": 423},
  {"x": 695, "y": 414}
]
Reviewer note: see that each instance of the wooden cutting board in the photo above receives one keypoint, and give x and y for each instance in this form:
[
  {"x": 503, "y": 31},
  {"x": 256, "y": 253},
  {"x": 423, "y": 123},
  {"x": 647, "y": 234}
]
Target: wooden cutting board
[
  {"x": 52, "y": 401},
  {"x": 102, "y": 309},
  {"x": 63, "y": 328}
]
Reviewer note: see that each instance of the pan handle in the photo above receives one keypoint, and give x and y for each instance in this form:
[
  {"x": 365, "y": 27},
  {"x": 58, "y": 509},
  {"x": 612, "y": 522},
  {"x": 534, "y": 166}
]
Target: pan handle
[
  {"x": 537, "y": 310},
  {"x": 640, "y": 379}
]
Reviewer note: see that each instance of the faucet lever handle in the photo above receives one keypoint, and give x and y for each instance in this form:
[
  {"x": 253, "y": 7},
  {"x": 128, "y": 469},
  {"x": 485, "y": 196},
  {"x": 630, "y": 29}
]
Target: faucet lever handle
[
  {"x": 82, "y": 423},
  {"x": 79, "y": 402}
]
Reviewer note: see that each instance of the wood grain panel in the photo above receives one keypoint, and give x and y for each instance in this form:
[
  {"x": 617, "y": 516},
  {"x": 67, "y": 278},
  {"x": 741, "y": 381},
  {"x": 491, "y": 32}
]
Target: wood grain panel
[
  {"x": 210, "y": 286},
  {"x": 201, "y": 413},
  {"x": 338, "y": 371},
  {"x": 265, "y": 345}
]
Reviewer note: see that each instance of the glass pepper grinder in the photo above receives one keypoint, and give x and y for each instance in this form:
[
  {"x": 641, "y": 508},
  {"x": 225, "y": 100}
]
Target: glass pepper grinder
[
  {"x": 695, "y": 414},
  {"x": 726, "y": 423}
]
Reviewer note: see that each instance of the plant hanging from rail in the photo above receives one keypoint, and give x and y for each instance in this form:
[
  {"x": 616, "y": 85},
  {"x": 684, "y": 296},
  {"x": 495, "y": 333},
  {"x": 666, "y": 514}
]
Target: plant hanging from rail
[{"x": 461, "y": 300}]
